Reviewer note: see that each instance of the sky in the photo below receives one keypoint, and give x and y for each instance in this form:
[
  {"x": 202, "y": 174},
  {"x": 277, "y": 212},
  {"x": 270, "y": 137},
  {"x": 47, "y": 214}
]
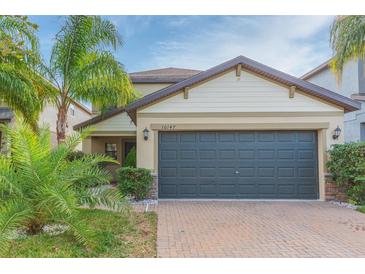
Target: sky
[{"x": 293, "y": 44}]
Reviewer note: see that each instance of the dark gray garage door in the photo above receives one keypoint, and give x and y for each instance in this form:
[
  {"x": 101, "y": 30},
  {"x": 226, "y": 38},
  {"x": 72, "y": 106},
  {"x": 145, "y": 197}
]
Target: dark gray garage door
[{"x": 230, "y": 165}]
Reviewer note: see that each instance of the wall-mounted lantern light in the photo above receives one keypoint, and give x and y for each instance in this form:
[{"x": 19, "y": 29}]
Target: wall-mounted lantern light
[
  {"x": 336, "y": 133},
  {"x": 145, "y": 134}
]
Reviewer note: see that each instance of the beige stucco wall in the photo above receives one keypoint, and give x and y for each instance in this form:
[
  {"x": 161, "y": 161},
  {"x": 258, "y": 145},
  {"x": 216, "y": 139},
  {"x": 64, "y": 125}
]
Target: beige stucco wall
[{"x": 48, "y": 117}]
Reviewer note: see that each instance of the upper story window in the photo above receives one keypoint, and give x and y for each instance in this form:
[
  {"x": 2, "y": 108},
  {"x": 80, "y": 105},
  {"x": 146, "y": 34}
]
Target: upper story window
[{"x": 72, "y": 110}]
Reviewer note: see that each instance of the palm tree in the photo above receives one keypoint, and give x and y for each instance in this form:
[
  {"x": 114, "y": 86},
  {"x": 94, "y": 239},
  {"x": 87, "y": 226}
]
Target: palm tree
[
  {"x": 82, "y": 67},
  {"x": 40, "y": 185},
  {"x": 21, "y": 88},
  {"x": 347, "y": 40}
]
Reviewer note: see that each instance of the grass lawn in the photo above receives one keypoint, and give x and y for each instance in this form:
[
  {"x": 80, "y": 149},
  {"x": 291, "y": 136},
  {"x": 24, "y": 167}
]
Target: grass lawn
[
  {"x": 361, "y": 209},
  {"x": 118, "y": 235}
]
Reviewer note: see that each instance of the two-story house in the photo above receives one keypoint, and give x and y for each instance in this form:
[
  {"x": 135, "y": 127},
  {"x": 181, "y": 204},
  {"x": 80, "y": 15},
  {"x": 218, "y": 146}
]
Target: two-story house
[
  {"x": 240, "y": 129},
  {"x": 351, "y": 85},
  {"x": 77, "y": 113}
]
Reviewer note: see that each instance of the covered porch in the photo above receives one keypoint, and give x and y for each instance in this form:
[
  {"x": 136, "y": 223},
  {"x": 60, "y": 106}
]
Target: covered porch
[{"x": 113, "y": 134}]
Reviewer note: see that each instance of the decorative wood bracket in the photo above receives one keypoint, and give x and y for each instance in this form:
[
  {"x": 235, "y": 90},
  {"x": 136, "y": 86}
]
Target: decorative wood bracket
[
  {"x": 186, "y": 93},
  {"x": 238, "y": 70},
  {"x": 292, "y": 91}
]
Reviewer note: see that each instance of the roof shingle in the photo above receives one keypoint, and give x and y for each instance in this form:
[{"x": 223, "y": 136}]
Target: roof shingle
[{"x": 164, "y": 75}]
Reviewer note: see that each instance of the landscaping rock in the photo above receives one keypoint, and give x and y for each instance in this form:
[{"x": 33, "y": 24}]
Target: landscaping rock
[{"x": 343, "y": 204}]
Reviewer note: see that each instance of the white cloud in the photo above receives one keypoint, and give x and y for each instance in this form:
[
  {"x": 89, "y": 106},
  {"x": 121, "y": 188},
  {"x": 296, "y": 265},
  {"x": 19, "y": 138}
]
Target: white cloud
[
  {"x": 130, "y": 25},
  {"x": 290, "y": 43}
]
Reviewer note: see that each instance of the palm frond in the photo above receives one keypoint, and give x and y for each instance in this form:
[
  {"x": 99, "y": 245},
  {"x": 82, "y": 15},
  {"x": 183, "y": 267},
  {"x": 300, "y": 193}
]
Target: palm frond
[
  {"x": 99, "y": 196},
  {"x": 347, "y": 40},
  {"x": 101, "y": 79},
  {"x": 13, "y": 214},
  {"x": 81, "y": 232}
]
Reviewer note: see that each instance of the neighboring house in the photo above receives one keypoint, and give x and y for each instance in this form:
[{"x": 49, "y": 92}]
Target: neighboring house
[
  {"x": 238, "y": 130},
  {"x": 77, "y": 113},
  {"x": 351, "y": 85}
]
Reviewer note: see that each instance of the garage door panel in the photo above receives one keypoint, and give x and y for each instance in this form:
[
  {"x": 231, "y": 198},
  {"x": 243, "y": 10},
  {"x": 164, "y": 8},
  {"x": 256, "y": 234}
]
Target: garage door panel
[
  {"x": 306, "y": 137},
  {"x": 187, "y": 138},
  {"x": 285, "y": 154},
  {"x": 207, "y": 172},
  {"x": 207, "y": 154},
  {"x": 168, "y": 154},
  {"x": 247, "y": 188},
  {"x": 226, "y": 137},
  {"x": 245, "y": 154},
  {"x": 266, "y": 154},
  {"x": 265, "y": 137},
  {"x": 227, "y": 190},
  {"x": 246, "y": 164},
  {"x": 227, "y": 154},
  {"x": 188, "y": 189},
  {"x": 168, "y": 190},
  {"x": 188, "y": 154},
  {"x": 246, "y": 171},
  {"x": 286, "y": 136},
  {"x": 285, "y": 172},
  {"x": 208, "y": 190},
  {"x": 188, "y": 172},
  {"x": 246, "y": 137},
  {"x": 226, "y": 172},
  {"x": 207, "y": 137},
  {"x": 285, "y": 189},
  {"x": 266, "y": 172}
]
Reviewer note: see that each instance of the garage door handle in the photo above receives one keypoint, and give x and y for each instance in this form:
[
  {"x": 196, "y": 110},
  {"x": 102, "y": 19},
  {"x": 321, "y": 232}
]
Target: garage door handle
[{"x": 237, "y": 172}]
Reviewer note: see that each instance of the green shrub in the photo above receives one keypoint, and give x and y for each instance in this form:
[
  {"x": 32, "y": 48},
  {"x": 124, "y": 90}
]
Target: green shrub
[
  {"x": 347, "y": 165},
  {"x": 75, "y": 155},
  {"x": 134, "y": 182},
  {"x": 361, "y": 209},
  {"x": 130, "y": 160}
]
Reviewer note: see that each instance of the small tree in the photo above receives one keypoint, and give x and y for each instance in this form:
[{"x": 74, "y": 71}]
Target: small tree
[
  {"x": 21, "y": 87},
  {"x": 82, "y": 67},
  {"x": 131, "y": 159},
  {"x": 40, "y": 185}
]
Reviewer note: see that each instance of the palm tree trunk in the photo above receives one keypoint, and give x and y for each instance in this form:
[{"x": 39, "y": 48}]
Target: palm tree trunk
[{"x": 61, "y": 123}]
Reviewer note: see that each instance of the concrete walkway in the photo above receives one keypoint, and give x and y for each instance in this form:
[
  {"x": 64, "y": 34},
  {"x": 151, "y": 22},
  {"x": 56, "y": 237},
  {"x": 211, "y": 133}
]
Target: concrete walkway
[{"x": 259, "y": 229}]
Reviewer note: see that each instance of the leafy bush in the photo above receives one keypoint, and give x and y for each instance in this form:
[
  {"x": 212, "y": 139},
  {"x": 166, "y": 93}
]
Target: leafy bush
[
  {"x": 361, "y": 209},
  {"x": 75, "y": 155},
  {"x": 131, "y": 158},
  {"x": 135, "y": 182},
  {"x": 38, "y": 185},
  {"x": 347, "y": 165}
]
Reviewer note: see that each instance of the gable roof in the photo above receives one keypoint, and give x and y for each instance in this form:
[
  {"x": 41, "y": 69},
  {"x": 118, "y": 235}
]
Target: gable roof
[
  {"x": 251, "y": 65},
  {"x": 164, "y": 75},
  {"x": 316, "y": 70},
  {"x": 99, "y": 118}
]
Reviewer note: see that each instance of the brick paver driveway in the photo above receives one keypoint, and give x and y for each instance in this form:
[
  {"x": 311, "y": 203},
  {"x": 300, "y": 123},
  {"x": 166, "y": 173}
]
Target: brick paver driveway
[{"x": 259, "y": 229}]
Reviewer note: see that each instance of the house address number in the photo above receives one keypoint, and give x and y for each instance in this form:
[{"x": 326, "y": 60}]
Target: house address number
[{"x": 168, "y": 127}]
